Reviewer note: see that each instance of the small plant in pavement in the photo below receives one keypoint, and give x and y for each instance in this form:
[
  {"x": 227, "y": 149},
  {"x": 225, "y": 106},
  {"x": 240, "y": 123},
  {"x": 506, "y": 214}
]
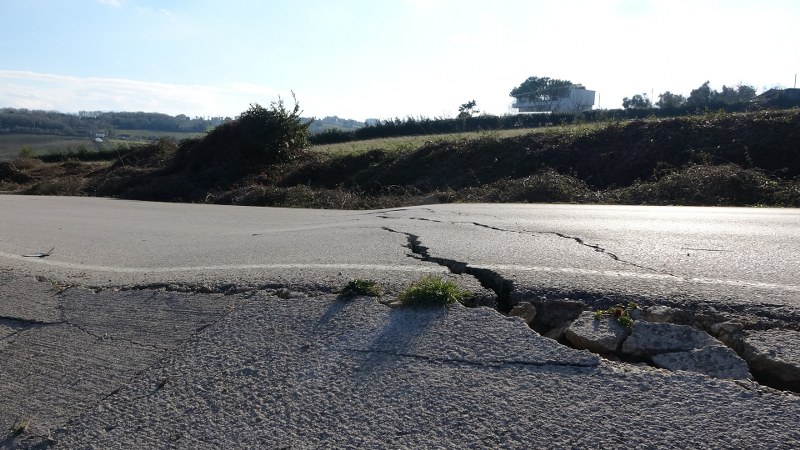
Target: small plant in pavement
[
  {"x": 619, "y": 312},
  {"x": 358, "y": 287},
  {"x": 431, "y": 291},
  {"x": 20, "y": 426}
]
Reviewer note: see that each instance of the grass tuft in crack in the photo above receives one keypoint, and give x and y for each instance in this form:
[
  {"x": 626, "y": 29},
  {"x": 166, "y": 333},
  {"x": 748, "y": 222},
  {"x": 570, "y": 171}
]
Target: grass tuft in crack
[
  {"x": 360, "y": 287},
  {"x": 619, "y": 312},
  {"x": 432, "y": 291},
  {"x": 20, "y": 426}
]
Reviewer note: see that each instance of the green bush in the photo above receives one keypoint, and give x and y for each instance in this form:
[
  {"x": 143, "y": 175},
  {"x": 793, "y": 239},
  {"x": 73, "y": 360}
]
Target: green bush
[
  {"x": 360, "y": 287},
  {"x": 272, "y": 135},
  {"x": 432, "y": 291},
  {"x": 258, "y": 137}
]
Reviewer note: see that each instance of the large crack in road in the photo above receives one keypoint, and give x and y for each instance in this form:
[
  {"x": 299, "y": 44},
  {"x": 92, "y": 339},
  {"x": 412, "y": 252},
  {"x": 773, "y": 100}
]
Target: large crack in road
[
  {"x": 596, "y": 247},
  {"x": 489, "y": 279},
  {"x": 503, "y": 289}
]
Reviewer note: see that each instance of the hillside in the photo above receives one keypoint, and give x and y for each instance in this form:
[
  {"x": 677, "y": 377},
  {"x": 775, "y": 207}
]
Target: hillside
[
  {"x": 711, "y": 159},
  {"x": 46, "y": 132}
]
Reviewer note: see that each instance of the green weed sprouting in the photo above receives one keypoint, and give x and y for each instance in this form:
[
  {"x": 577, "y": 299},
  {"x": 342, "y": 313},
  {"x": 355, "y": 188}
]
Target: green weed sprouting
[
  {"x": 432, "y": 291},
  {"x": 20, "y": 426},
  {"x": 358, "y": 287},
  {"x": 619, "y": 312}
]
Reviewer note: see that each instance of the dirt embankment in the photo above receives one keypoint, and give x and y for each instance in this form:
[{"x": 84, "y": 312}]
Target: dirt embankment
[{"x": 713, "y": 159}]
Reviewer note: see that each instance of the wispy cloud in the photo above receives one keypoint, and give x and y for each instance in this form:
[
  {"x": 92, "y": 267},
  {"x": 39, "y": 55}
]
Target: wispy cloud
[
  {"x": 34, "y": 90},
  {"x": 426, "y": 5},
  {"x": 114, "y": 3}
]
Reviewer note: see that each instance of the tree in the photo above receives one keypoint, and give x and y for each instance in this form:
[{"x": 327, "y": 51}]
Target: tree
[
  {"x": 467, "y": 110},
  {"x": 541, "y": 88},
  {"x": 638, "y": 101},
  {"x": 669, "y": 100},
  {"x": 702, "y": 96},
  {"x": 738, "y": 94}
]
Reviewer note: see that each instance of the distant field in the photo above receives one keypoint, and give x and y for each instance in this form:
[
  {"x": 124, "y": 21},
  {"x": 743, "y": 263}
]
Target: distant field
[
  {"x": 42, "y": 144},
  {"x": 11, "y": 144},
  {"x": 149, "y": 135}
]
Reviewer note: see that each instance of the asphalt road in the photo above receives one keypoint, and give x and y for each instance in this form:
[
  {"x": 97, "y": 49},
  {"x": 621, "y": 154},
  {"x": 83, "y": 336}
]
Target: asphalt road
[
  {"x": 734, "y": 256},
  {"x": 197, "y": 326}
]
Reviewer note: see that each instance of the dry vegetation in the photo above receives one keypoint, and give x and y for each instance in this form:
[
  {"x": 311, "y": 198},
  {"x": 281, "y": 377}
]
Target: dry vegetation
[{"x": 712, "y": 159}]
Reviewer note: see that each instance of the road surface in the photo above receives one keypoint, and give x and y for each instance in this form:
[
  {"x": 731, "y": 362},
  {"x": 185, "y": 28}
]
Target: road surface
[
  {"x": 199, "y": 326},
  {"x": 734, "y": 256}
]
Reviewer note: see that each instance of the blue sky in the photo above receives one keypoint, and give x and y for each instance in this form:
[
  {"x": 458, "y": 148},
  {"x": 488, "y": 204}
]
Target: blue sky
[{"x": 379, "y": 58}]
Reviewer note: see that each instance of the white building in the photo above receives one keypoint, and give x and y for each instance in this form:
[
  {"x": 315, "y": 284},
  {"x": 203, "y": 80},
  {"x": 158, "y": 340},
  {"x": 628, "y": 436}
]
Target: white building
[{"x": 570, "y": 99}]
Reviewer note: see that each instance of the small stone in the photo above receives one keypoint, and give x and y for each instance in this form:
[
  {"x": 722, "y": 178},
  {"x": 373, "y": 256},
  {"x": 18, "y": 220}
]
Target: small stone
[
  {"x": 603, "y": 335},
  {"x": 661, "y": 314},
  {"x": 557, "y": 333},
  {"x": 525, "y": 310},
  {"x": 727, "y": 327}
]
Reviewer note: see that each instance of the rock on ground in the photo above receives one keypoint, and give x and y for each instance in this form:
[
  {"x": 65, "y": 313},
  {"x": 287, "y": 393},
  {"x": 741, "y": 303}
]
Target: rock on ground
[
  {"x": 599, "y": 336},
  {"x": 525, "y": 310},
  {"x": 649, "y": 339},
  {"x": 716, "y": 361}
]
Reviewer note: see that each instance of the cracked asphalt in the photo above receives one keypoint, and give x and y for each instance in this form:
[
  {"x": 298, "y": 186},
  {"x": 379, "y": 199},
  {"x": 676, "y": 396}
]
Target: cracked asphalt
[{"x": 198, "y": 326}]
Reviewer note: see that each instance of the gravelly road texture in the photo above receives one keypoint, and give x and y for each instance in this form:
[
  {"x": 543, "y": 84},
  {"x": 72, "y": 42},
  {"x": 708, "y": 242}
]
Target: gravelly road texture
[
  {"x": 319, "y": 372},
  {"x": 189, "y": 326}
]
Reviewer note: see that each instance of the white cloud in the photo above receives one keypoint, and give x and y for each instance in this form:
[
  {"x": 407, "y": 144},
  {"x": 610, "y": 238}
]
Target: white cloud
[
  {"x": 427, "y": 5},
  {"x": 71, "y": 94},
  {"x": 114, "y": 3}
]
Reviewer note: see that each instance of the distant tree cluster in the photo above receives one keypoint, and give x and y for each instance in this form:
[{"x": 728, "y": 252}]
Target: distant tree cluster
[
  {"x": 638, "y": 101},
  {"x": 85, "y": 123},
  {"x": 700, "y": 98},
  {"x": 541, "y": 87},
  {"x": 332, "y": 123}
]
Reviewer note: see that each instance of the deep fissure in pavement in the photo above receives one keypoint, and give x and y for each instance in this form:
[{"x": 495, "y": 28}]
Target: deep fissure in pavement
[
  {"x": 596, "y": 247},
  {"x": 487, "y": 278},
  {"x": 567, "y": 309}
]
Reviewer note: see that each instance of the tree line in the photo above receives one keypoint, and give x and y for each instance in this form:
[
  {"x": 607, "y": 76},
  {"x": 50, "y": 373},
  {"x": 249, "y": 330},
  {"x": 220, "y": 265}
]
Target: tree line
[
  {"x": 85, "y": 123},
  {"x": 700, "y": 98},
  {"x": 730, "y": 99}
]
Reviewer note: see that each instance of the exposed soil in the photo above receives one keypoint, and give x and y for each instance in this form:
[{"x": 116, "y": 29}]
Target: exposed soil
[{"x": 713, "y": 159}]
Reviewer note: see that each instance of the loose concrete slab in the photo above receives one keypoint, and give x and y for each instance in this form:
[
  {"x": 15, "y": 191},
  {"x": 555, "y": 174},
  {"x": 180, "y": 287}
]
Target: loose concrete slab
[
  {"x": 648, "y": 339},
  {"x": 715, "y": 361},
  {"x": 774, "y": 352}
]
